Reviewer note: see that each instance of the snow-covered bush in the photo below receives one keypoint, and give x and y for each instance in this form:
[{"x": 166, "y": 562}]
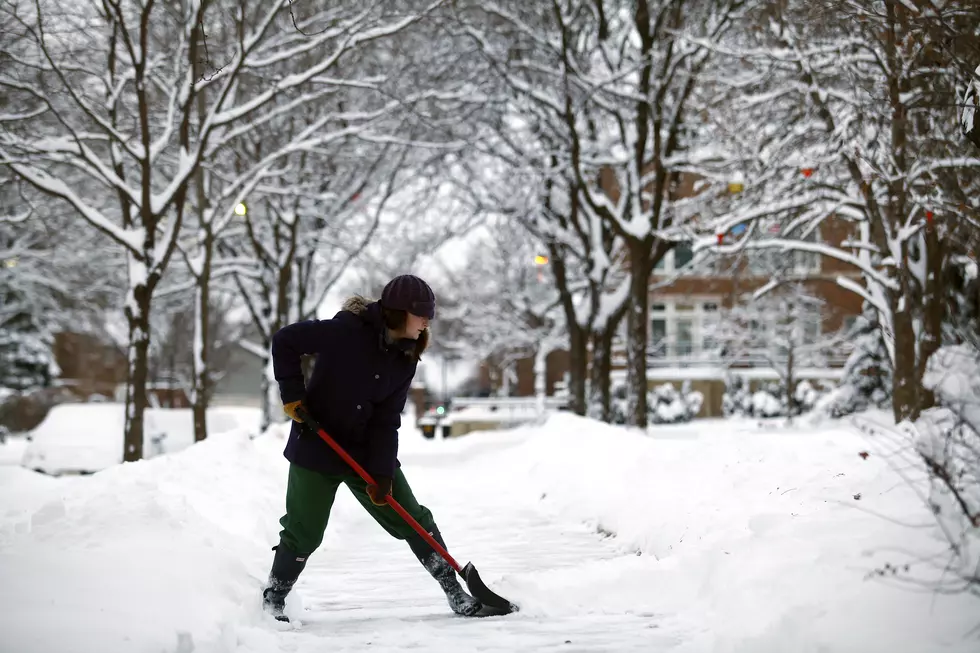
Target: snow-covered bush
[
  {"x": 808, "y": 394},
  {"x": 867, "y": 376},
  {"x": 948, "y": 440},
  {"x": 618, "y": 404},
  {"x": 740, "y": 401},
  {"x": 765, "y": 404},
  {"x": 668, "y": 406},
  {"x": 771, "y": 399},
  {"x": 737, "y": 400},
  {"x": 665, "y": 404},
  {"x": 26, "y": 360}
]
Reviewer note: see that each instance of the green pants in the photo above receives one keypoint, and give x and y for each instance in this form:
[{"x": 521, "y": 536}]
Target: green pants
[{"x": 310, "y": 495}]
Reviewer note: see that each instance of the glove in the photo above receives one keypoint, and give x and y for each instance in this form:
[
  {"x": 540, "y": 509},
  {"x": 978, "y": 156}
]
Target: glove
[
  {"x": 291, "y": 408},
  {"x": 380, "y": 490}
]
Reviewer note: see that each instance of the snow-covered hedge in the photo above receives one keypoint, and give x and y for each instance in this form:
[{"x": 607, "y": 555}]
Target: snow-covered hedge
[
  {"x": 665, "y": 404},
  {"x": 867, "y": 376},
  {"x": 771, "y": 400},
  {"x": 26, "y": 360},
  {"x": 948, "y": 439}
]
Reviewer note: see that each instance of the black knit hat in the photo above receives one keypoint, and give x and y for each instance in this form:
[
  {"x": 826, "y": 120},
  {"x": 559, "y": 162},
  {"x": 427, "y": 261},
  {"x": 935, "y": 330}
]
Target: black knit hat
[{"x": 409, "y": 293}]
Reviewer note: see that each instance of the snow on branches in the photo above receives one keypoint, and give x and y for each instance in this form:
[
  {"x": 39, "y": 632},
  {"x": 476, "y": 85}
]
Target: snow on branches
[{"x": 839, "y": 119}]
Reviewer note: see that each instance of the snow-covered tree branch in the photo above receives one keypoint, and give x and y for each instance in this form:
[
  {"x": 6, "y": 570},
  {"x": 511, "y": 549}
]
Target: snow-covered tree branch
[{"x": 124, "y": 107}]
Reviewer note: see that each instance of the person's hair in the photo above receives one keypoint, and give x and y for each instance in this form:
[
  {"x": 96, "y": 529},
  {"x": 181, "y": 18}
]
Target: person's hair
[{"x": 396, "y": 320}]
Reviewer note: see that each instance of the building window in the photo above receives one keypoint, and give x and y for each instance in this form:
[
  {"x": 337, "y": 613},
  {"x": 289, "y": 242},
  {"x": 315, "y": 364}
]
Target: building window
[
  {"x": 678, "y": 257},
  {"x": 681, "y": 329},
  {"x": 683, "y": 254},
  {"x": 658, "y": 336},
  {"x": 685, "y": 336},
  {"x": 769, "y": 262}
]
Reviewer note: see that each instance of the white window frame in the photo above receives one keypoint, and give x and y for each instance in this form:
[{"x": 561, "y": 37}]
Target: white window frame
[
  {"x": 699, "y": 319},
  {"x": 668, "y": 265}
]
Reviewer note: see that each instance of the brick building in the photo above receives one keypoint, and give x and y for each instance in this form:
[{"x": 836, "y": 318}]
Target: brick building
[{"x": 682, "y": 306}]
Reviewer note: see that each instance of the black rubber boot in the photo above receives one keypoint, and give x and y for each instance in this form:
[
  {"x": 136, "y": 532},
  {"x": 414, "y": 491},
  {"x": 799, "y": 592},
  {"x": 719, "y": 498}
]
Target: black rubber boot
[
  {"x": 286, "y": 568},
  {"x": 460, "y": 602}
]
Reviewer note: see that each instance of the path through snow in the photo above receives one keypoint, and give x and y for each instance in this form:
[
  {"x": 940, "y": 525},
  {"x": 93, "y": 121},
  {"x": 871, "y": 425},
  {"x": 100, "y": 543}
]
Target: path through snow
[
  {"x": 364, "y": 591},
  {"x": 752, "y": 542}
]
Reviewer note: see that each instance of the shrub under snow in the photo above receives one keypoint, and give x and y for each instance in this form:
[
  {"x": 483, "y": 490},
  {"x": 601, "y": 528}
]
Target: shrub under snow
[
  {"x": 948, "y": 439},
  {"x": 770, "y": 400},
  {"x": 665, "y": 404},
  {"x": 668, "y": 406}
]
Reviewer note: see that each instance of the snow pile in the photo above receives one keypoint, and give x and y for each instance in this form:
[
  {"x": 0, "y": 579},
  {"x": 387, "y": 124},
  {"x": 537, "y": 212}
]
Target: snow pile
[
  {"x": 766, "y": 536},
  {"x": 949, "y": 441},
  {"x": 145, "y": 554},
  {"x": 706, "y": 536},
  {"x": 89, "y": 437}
]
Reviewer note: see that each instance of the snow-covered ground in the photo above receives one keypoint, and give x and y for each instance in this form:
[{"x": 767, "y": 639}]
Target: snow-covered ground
[
  {"x": 87, "y": 438},
  {"x": 711, "y": 536}
]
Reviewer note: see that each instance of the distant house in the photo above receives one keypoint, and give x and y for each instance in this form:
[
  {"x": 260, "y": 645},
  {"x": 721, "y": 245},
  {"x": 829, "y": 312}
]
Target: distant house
[
  {"x": 681, "y": 311},
  {"x": 89, "y": 365}
]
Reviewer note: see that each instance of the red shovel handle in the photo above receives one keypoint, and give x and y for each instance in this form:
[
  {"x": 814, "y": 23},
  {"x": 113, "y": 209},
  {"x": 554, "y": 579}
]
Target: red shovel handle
[{"x": 308, "y": 419}]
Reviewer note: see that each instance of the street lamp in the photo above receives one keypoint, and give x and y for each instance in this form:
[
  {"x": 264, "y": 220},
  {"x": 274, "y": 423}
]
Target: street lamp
[
  {"x": 241, "y": 209},
  {"x": 736, "y": 184},
  {"x": 540, "y": 261}
]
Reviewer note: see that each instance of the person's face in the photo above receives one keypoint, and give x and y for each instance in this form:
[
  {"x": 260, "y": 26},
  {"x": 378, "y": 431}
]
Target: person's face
[{"x": 415, "y": 325}]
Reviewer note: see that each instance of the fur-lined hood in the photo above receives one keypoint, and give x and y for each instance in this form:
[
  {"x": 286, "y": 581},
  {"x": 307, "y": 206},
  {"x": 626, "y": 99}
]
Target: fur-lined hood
[
  {"x": 362, "y": 307},
  {"x": 356, "y": 304}
]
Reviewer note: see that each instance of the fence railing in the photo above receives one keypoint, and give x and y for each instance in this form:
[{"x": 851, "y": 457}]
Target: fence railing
[
  {"x": 667, "y": 353},
  {"x": 507, "y": 404}
]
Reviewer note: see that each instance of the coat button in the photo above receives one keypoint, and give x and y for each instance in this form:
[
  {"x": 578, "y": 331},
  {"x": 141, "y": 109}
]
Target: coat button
[
  {"x": 358, "y": 406},
  {"x": 377, "y": 376}
]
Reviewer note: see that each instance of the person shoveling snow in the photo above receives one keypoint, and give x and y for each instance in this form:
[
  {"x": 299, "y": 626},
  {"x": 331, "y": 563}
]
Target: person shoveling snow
[{"x": 367, "y": 355}]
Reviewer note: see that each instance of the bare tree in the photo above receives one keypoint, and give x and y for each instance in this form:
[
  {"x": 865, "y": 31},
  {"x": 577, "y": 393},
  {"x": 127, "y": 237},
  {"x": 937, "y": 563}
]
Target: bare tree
[
  {"x": 111, "y": 93},
  {"x": 505, "y": 305},
  {"x": 872, "y": 116},
  {"x": 616, "y": 83},
  {"x": 785, "y": 329}
]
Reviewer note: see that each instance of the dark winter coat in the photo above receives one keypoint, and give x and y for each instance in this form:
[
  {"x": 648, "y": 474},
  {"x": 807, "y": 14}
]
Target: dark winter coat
[{"x": 357, "y": 390}]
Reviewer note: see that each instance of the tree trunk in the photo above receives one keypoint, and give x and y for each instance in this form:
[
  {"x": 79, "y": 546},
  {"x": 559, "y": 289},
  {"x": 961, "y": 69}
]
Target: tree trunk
[
  {"x": 266, "y": 386},
  {"x": 600, "y": 383},
  {"x": 201, "y": 394},
  {"x": 578, "y": 367},
  {"x": 541, "y": 379},
  {"x": 577, "y": 336},
  {"x": 138, "y": 315},
  {"x": 201, "y": 388},
  {"x": 905, "y": 403},
  {"x": 636, "y": 335},
  {"x": 791, "y": 408},
  {"x": 933, "y": 309}
]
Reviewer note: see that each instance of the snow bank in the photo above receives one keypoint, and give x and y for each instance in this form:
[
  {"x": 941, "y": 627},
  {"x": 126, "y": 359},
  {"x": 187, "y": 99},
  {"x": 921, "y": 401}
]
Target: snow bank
[
  {"x": 766, "y": 536},
  {"x": 736, "y": 540},
  {"x": 89, "y": 437},
  {"x": 144, "y": 555}
]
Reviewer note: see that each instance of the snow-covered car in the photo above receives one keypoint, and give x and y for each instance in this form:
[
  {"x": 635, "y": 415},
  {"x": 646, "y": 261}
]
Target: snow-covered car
[{"x": 87, "y": 438}]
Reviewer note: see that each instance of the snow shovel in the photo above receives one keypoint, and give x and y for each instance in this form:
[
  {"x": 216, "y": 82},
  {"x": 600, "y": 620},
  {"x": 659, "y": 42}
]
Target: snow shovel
[{"x": 493, "y": 604}]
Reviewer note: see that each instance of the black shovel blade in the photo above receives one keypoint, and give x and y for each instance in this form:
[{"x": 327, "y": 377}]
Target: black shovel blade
[{"x": 493, "y": 604}]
